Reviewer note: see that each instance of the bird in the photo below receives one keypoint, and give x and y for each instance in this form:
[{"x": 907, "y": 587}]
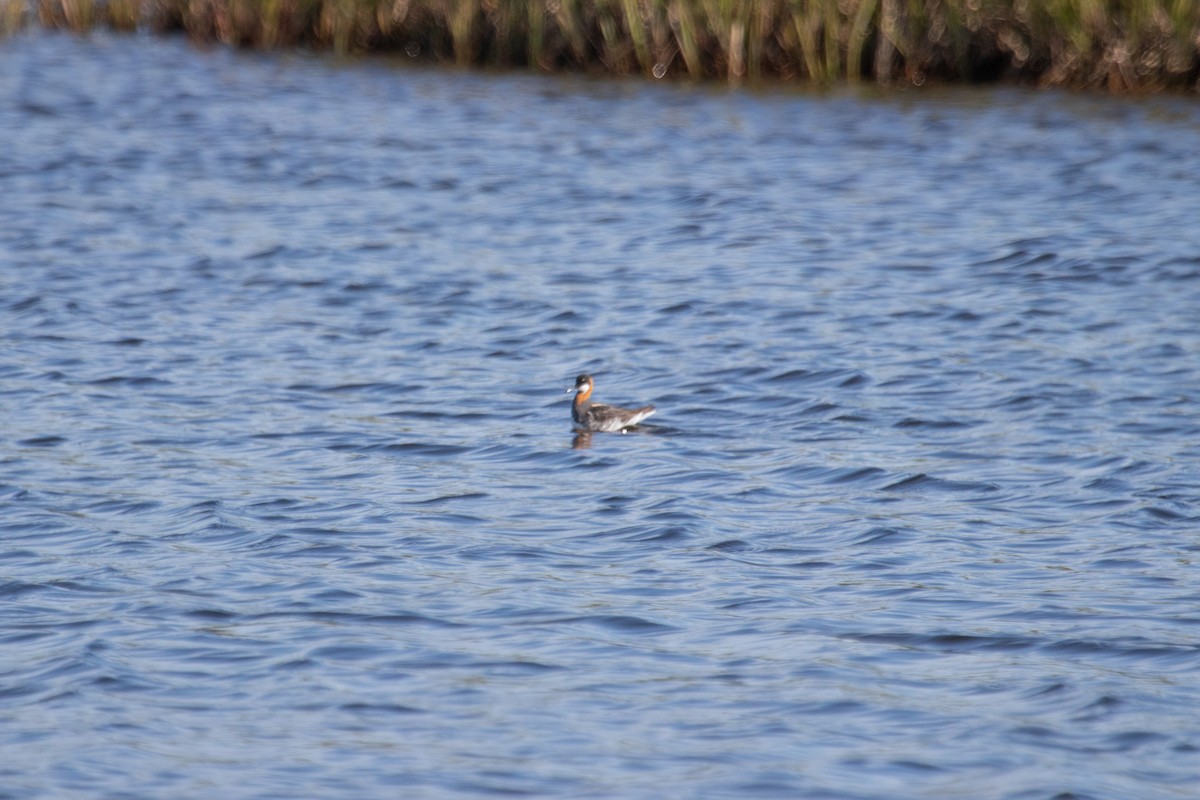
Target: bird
[{"x": 589, "y": 416}]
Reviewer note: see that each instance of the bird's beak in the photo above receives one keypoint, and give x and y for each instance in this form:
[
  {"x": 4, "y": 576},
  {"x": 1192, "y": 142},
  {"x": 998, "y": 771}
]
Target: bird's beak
[{"x": 569, "y": 390}]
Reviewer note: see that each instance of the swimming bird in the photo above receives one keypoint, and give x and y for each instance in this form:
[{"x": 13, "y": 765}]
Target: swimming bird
[{"x": 589, "y": 416}]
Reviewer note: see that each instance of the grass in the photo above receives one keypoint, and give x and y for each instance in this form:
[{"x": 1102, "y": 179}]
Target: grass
[{"x": 1117, "y": 45}]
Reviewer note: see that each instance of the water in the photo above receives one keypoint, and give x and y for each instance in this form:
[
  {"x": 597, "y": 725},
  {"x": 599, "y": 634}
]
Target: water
[{"x": 292, "y": 508}]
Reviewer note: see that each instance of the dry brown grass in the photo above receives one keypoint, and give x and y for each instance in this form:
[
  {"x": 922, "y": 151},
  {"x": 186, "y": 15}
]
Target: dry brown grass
[{"x": 1118, "y": 45}]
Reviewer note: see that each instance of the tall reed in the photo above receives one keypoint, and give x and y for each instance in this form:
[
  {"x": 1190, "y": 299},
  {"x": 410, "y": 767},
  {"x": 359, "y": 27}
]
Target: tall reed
[{"x": 1113, "y": 44}]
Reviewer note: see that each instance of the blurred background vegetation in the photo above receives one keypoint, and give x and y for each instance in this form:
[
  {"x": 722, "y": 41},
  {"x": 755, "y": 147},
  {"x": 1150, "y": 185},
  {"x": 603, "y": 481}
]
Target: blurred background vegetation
[{"x": 1118, "y": 45}]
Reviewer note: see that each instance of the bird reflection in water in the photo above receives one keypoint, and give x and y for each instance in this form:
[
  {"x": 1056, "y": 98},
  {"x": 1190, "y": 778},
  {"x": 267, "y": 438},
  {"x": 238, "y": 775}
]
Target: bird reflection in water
[{"x": 583, "y": 439}]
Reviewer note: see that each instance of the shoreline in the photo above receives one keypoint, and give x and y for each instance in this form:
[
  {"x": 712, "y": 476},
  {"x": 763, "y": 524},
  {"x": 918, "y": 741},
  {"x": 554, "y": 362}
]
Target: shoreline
[{"x": 1136, "y": 46}]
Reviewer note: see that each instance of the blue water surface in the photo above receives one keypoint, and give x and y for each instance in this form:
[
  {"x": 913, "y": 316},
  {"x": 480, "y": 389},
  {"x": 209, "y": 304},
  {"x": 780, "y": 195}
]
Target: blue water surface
[{"x": 290, "y": 506}]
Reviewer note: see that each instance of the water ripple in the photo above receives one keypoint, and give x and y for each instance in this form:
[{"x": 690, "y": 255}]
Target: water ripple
[{"x": 293, "y": 506}]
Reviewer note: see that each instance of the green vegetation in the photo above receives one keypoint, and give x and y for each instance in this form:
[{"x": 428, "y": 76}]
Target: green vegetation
[{"x": 1119, "y": 45}]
